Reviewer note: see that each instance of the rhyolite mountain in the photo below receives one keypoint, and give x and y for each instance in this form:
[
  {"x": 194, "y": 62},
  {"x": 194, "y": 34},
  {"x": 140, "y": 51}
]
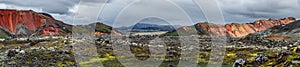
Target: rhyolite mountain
[
  {"x": 145, "y": 27},
  {"x": 29, "y": 23},
  {"x": 287, "y": 32},
  {"x": 233, "y": 29}
]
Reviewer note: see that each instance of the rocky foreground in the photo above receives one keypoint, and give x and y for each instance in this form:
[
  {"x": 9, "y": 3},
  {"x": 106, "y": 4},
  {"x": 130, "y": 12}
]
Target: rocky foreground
[
  {"x": 56, "y": 52},
  {"x": 60, "y": 51},
  {"x": 239, "y": 51}
]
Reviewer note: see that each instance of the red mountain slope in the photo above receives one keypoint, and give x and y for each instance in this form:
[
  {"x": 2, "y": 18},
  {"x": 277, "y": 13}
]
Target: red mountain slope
[{"x": 31, "y": 21}]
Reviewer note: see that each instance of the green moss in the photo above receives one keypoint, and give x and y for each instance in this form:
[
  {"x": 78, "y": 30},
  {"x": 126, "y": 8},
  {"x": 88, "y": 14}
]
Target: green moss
[
  {"x": 1, "y": 46},
  {"x": 4, "y": 36},
  {"x": 171, "y": 33},
  {"x": 94, "y": 60},
  {"x": 181, "y": 32},
  {"x": 63, "y": 31},
  {"x": 100, "y": 27},
  {"x": 60, "y": 64},
  {"x": 292, "y": 56},
  {"x": 70, "y": 63}
]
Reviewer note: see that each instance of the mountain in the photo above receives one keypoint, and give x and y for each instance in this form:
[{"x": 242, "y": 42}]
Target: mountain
[
  {"x": 233, "y": 29},
  {"x": 105, "y": 29},
  {"x": 282, "y": 32},
  {"x": 29, "y": 23},
  {"x": 96, "y": 28},
  {"x": 239, "y": 30},
  {"x": 144, "y": 27}
]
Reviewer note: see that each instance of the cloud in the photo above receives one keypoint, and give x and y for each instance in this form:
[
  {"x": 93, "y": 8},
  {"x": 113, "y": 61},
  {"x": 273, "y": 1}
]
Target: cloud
[
  {"x": 250, "y": 10},
  {"x": 61, "y": 9},
  {"x": 112, "y": 10},
  {"x": 3, "y": 6},
  {"x": 235, "y": 11},
  {"x": 97, "y": 1},
  {"x": 51, "y": 6},
  {"x": 89, "y": 10}
]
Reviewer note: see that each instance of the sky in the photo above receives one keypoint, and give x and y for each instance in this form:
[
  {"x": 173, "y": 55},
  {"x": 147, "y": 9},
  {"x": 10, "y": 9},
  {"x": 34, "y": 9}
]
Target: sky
[{"x": 88, "y": 11}]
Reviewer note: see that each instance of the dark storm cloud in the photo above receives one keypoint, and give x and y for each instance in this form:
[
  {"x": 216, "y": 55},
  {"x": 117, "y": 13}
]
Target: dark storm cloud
[{"x": 50, "y": 6}]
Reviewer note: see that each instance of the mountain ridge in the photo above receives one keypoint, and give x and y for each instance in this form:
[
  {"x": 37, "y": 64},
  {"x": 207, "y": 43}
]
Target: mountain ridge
[
  {"x": 145, "y": 27},
  {"x": 282, "y": 32},
  {"x": 28, "y": 23},
  {"x": 235, "y": 29}
]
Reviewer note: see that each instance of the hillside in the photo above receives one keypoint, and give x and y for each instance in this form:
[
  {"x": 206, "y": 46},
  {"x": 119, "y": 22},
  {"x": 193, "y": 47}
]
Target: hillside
[
  {"x": 27, "y": 23},
  {"x": 234, "y": 29},
  {"x": 105, "y": 29},
  {"x": 96, "y": 28},
  {"x": 282, "y": 32}
]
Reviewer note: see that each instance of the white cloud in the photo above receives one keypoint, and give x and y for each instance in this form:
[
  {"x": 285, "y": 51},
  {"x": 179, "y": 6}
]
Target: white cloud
[{"x": 3, "y": 6}]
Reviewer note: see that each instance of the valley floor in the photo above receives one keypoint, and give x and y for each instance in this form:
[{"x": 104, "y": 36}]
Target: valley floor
[{"x": 88, "y": 52}]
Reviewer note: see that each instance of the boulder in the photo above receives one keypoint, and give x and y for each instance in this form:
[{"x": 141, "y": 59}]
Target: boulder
[{"x": 239, "y": 63}]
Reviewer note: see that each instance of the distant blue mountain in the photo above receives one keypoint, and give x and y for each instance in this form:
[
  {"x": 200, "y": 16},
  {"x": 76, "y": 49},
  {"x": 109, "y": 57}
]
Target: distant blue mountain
[{"x": 144, "y": 27}]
